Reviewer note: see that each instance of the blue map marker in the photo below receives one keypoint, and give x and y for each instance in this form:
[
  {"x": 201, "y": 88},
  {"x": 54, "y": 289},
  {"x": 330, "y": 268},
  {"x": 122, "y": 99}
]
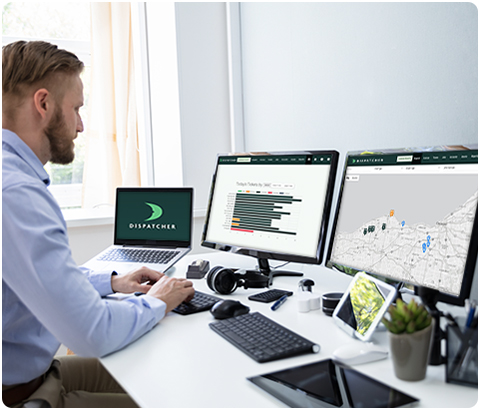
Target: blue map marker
[{"x": 424, "y": 247}]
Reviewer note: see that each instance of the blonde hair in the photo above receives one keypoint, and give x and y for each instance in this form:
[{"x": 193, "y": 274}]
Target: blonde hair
[{"x": 34, "y": 64}]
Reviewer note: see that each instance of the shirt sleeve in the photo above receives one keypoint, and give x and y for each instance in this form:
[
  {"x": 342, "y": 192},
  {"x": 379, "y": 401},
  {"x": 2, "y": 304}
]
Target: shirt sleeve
[
  {"x": 100, "y": 280},
  {"x": 38, "y": 267}
]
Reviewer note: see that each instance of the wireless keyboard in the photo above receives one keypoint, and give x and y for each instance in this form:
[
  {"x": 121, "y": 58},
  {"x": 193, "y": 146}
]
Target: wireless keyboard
[
  {"x": 200, "y": 302},
  {"x": 262, "y": 339},
  {"x": 269, "y": 295}
]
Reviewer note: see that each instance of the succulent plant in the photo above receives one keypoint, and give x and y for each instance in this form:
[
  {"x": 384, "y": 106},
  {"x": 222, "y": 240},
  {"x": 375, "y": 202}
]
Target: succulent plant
[{"x": 407, "y": 318}]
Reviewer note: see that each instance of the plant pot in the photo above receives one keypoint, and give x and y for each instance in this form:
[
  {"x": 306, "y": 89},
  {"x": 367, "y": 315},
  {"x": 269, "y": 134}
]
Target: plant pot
[{"x": 410, "y": 353}]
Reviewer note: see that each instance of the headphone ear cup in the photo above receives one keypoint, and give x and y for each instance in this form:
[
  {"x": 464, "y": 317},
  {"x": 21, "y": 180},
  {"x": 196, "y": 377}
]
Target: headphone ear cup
[
  {"x": 209, "y": 277},
  {"x": 225, "y": 281},
  {"x": 222, "y": 280}
]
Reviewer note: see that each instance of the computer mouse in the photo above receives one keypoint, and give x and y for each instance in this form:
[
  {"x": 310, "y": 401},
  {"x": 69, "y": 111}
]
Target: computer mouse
[
  {"x": 228, "y": 309},
  {"x": 359, "y": 353}
]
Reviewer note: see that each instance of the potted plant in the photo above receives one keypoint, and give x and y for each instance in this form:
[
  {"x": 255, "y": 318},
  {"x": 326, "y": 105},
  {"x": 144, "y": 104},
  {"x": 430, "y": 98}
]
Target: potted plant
[{"x": 410, "y": 329}]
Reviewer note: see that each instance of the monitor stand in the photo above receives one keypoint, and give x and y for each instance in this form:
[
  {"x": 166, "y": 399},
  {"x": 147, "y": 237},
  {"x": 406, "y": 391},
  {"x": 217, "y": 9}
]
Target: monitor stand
[
  {"x": 265, "y": 269},
  {"x": 429, "y": 298}
]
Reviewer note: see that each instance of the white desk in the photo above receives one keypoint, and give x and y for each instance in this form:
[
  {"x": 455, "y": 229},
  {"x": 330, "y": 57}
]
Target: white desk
[{"x": 183, "y": 363}]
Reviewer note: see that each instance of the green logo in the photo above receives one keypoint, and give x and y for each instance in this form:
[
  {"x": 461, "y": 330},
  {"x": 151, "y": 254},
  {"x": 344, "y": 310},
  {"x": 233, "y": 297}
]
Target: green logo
[{"x": 157, "y": 212}]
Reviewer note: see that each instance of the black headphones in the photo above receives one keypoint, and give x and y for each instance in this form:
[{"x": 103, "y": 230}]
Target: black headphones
[{"x": 224, "y": 280}]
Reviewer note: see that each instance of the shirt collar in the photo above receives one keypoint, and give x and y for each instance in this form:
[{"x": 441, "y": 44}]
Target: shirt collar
[{"x": 23, "y": 150}]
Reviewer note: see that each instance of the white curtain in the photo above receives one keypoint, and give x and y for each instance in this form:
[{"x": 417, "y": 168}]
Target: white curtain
[{"x": 111, "y": 157}]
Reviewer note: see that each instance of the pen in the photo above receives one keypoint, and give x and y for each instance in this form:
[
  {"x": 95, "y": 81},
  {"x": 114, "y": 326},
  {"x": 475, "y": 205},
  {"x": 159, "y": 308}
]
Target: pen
[
  {"x": 279, "y": 303},
  {"x": 470, "y": 316}
]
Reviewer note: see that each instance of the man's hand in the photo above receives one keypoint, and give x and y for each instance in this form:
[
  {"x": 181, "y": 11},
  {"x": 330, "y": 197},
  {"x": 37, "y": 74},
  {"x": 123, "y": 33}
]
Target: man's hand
[
  {"x": 172, "y": 291},
  {"x": 140, "y": 280}
]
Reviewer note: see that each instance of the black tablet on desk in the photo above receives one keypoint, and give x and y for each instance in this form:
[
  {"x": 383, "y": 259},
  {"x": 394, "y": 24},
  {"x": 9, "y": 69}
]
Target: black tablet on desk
[{"x": 329, "y": 384}]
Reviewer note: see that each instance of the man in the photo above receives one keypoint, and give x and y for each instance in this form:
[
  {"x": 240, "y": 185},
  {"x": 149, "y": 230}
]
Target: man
[{"x": 47, "y": 299}]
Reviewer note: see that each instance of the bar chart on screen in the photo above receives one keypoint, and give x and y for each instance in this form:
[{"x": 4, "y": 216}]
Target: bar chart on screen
[{"x": 263, "y": 212}]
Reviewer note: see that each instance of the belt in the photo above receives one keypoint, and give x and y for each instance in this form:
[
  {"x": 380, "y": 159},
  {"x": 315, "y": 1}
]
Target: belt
[{"x": 21, "y": 392}]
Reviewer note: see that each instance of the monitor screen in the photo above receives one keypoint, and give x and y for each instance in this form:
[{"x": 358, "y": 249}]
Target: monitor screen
[
  {"x": 271, "y": 205},
  {"x": 409, "y": 215}
]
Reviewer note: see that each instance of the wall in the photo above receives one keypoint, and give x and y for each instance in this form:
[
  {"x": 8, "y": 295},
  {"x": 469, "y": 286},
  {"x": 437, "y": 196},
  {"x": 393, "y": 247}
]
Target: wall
[
  {"x": 204, "y": 93},
  {"x": 359, "y": 75},
  {"x": 88, "y": 241}
]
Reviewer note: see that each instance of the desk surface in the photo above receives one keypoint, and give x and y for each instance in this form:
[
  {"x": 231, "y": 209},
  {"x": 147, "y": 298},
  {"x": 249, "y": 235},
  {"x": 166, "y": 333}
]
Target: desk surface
[{"x": 183, "y": 363}]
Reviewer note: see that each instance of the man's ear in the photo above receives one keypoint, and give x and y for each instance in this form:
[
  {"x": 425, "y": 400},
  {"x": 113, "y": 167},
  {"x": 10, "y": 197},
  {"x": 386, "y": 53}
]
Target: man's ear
[{"x": 42, "y": 100}]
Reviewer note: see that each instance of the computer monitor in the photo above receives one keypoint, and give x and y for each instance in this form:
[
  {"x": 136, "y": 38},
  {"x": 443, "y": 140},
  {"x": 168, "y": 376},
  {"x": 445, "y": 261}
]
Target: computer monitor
[
  {"x": 271, "y": 205},
  {"x": 410, "y": 216}
]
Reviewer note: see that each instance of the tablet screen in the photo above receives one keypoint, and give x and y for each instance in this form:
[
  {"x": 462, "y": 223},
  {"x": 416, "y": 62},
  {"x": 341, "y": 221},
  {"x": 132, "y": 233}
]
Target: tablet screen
[
  {"x": 363, "y": 305},
  {"x": 329, "y": 384}
]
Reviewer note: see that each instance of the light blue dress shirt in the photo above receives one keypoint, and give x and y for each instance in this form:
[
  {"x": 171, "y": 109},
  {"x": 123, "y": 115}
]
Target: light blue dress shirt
[{"x": 46, "y": 298}]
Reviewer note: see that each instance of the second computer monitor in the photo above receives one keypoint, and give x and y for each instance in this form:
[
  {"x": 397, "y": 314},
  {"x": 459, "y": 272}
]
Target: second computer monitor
[
  {"x": 410, "y": 215},
  {"x": 271, "y": 205}
]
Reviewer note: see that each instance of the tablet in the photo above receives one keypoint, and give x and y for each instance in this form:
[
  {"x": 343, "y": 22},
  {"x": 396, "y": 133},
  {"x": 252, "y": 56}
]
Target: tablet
[
  {"x": 363, "y": 305},
  {"x": 330, "y": 384}
]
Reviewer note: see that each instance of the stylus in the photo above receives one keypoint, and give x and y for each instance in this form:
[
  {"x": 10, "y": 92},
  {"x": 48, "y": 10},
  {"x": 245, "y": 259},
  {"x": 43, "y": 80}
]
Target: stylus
[{"x": 279, "y": 303}]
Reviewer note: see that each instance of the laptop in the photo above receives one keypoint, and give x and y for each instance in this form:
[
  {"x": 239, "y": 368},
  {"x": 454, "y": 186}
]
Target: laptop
[{"x": 153, "y": 228}]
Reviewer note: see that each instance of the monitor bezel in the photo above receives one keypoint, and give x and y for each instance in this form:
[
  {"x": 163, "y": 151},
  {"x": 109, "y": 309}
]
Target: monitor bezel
[
  {"x": 272, "y": 255},
  {"x": 471, "y": 259}
]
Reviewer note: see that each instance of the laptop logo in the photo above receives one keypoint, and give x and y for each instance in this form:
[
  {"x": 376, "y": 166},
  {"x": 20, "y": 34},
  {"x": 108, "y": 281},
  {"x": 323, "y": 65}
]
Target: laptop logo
[{"x": 157, "y": 212}]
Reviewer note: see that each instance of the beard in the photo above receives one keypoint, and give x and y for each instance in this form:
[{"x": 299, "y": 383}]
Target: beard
[{"x": 61, "y": 142}]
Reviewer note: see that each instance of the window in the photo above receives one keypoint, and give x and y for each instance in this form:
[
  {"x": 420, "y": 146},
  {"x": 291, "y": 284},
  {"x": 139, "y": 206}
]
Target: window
[{"x": 67, "y": 25}]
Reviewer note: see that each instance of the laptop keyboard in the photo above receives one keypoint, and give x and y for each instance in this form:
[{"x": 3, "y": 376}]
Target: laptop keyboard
[{"x": 139, "y": 255}]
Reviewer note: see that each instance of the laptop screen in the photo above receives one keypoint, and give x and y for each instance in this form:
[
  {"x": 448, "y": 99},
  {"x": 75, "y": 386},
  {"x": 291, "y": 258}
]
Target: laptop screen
[{"x": 155, "y": 216}]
